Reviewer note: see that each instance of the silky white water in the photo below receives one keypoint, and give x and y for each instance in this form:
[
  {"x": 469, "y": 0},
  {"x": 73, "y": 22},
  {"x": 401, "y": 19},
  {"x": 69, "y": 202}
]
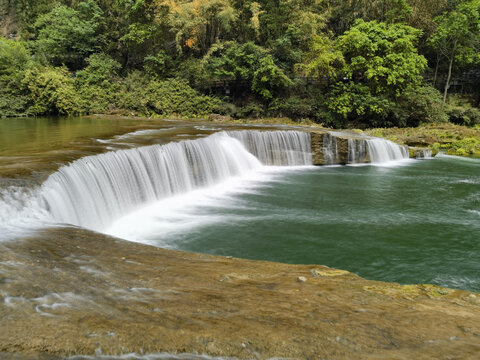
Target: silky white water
[
  {"x": 357, "y": 151},
  {"x": 330, "y": 149},
  {"x": 279, "y": 148},
  {"x": 221, "y": 195},
  {"x": 94, "y": 191},
  {"x": 383, "y": 151}
]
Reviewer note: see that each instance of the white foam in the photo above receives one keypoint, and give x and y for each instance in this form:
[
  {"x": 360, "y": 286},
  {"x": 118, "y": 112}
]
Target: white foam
[
  {"x": 132, "y": 134},
  {"x": 180, "y": 214}
]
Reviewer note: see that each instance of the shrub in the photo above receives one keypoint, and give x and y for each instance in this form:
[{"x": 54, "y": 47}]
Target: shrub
[
  {"x": 157, "y": 65},
  {"x": 15, "y": 59},
  {"x": 97, "y": 83},
  {"x": 461, "y": 112},
  {"x": 421, "y": 105},
  {"x": 131, "y": 91},
  {"x": 51, "y": 91},
  {"x": 13, "y": 105},
  {"x": 251, "y": 110},
  {"x": 293, "y": 107},
  {"x": 174, "y": 96}
]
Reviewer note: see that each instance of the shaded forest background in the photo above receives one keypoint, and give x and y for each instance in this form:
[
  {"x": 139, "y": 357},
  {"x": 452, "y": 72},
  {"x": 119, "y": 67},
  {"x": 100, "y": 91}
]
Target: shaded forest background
[{"x": 341, "y": 63}]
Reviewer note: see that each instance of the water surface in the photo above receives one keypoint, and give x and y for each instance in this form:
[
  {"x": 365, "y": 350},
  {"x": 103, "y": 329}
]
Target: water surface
[
  {"x": 417, "y": 223},
  {"x": 414, "y": 223}
]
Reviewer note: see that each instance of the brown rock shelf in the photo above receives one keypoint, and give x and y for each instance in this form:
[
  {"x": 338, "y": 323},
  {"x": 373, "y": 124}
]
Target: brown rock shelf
[{"x": 70, "y": 291}]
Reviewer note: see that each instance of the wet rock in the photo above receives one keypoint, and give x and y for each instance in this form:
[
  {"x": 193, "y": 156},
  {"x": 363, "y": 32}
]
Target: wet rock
[
  {"x": 329, "y": 272},
  {"x": 259, "y": 305}
]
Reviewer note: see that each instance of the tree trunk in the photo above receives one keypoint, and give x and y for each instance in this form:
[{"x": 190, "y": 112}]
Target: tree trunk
[
  {"x": 449, "y": 76},
  {"x": 436, "y": 72}
]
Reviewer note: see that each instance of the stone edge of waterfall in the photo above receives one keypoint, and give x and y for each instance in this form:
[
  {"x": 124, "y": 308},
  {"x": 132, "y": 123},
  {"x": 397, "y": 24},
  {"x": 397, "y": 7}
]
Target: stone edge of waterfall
[{"x": 349, "y": 147}]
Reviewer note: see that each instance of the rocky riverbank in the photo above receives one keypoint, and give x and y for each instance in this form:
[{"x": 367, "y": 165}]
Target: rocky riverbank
[
  {"x": 452, "y": 139},
  {"x": 69, "y": 291}
]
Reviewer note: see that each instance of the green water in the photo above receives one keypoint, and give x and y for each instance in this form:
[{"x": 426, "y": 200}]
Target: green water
[
  {"x": 33, "y": 135},
  {"x": 418, "y": 223},
  {"x": 410, "y": 224},
  {"x": 36, "y": 147}
]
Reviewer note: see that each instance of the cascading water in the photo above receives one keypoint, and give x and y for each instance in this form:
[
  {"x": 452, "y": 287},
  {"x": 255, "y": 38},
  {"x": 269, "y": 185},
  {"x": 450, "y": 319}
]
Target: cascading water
[
  {"x": 424, "y": 154},
  {"x": 374, "y": 150},
  {"x": 384, "y": 151},
  {"x": 279, "y": 148},
  {"x": 94, "y": 191},
  {"x": 357, "y": 151},
  {"x": 330, "y": 149}
]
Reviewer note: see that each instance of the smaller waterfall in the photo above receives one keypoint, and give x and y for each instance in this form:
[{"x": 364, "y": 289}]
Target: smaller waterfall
[
  {"x": 383, "y": 151},
  {"x": 278, "y": 148},
  {"x": 357, "y": 151},
  {"x": 424, "y": 154},
  {"x": 330, "y": 149}
]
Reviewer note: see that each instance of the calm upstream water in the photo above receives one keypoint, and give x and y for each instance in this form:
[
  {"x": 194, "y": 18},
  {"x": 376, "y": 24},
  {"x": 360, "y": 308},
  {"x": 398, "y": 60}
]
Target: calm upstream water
[{"x": 414, "y": 221}]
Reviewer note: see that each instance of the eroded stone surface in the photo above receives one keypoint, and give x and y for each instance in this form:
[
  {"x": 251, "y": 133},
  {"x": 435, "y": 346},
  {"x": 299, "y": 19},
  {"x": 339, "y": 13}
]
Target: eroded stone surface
[{"x": 70, "y": 291}]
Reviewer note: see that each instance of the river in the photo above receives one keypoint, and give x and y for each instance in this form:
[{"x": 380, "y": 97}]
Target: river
[{"x": 407, "y": 221}]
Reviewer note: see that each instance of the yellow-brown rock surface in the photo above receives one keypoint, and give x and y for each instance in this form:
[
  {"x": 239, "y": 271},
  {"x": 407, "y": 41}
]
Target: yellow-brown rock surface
[{"x": 69, "y": 291}]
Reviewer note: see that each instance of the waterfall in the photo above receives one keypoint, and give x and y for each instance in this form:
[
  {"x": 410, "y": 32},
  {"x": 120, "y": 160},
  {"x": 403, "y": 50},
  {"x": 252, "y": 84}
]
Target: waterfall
[
  {"x": 357, "y": 151},
  {"x": 288, "y": 148},
  {"x": 94, "y": 191},
  {"x": 330, "y": 149},
  {"x": 375, "y": 150},
  {"x": 424, "y": 154},
  {"x": 383, "y": 151}
]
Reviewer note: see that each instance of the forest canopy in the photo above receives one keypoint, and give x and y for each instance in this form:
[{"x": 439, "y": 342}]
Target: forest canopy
[{"x": 336, "y": 62}]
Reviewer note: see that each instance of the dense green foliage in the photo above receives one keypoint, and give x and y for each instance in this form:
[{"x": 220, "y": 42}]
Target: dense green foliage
[{"x": 340, "y": 63}]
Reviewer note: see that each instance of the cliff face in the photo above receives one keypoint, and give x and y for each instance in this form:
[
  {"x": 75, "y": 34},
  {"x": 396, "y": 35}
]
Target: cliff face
[
  {"x": 70, "y": 291},
  {"x": 8, "y": 22}
]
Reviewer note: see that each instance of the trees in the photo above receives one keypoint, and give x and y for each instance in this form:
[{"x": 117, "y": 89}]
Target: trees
[
  {"x": 15, "y": 59},
  {"x": 51, "y": 91},
  {"x": 197, "y": 24},
  {"x": 457, "y": 38},
  {"x": 343, "y": 14},
  {"x": 351, "y": 60},
  {"x": 97, "y": 82},
  {"x": 323, "y": 59},
  {"x": 66, "y": 36},
  {"x": 248, "y": 63},
  {"x": 379, "y": 64},
  {"x": 382, "y": 56}
]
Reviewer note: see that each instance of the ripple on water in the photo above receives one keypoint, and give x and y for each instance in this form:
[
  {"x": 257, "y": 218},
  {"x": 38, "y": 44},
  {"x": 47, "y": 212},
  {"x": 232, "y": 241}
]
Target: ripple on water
[{"x": 157, "y": 356}]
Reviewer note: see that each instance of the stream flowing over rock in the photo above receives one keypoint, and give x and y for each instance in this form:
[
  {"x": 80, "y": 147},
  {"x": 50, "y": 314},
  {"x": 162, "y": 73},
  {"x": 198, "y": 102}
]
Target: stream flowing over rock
[
  {"x": 335, "y": 147},
  {"x": 69, "y": 291},
  {"x": 94, "y": 191}
]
